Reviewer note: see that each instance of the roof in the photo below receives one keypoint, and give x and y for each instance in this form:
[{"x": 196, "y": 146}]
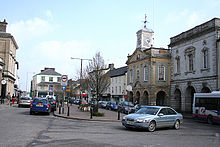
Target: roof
[
  {"x": 49, "y": 72},
  {"x": 118, "y": 72}
]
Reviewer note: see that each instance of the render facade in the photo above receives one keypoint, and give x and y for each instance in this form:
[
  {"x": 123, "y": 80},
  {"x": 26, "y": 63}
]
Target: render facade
[
  {"x": 195, "y": 64},
  {"x": 47, "y": 82}
]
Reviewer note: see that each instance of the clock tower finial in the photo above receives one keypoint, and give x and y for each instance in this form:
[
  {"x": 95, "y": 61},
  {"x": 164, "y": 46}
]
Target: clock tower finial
[{"x": 145, "y": 21}]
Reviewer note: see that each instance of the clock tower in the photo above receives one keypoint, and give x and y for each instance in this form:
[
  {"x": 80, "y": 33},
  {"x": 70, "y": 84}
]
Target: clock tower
[{"x": 145, "y": 37}]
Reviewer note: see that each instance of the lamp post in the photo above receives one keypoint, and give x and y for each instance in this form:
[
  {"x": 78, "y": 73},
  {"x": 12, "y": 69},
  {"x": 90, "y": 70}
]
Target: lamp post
[
  {"x": 80, "y": 74},
  {"x": 27, "y": 80}
]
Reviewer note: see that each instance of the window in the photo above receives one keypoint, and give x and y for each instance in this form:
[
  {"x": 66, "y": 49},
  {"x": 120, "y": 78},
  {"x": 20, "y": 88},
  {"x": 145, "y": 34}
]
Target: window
[
  {"x": 112, "y": 90},
  {"x": 190, "y": 62},
  {"x": 138, "y": 75},
  {"x": 131, "y": 76},
  {"x": 112, "y": 80},
  {"x": 164, "y": 111},
  {"x": 119, "y": 79},
  {"x": 170, "y": 111},
  {"x": 58, "y": 79},
  {"x": 145, "y": 73},
  {"x": 120, "y": 89},
  {"x": 116, "y": 90},
  {"x": 116, "y": 80},
  {"x": 205, "y": 59},
  {"x": 178, "y": 65},
  {"x": 50, "y": 79},
  {"x": 161, "y": 73},
  {"x": 43, "y": 79}
]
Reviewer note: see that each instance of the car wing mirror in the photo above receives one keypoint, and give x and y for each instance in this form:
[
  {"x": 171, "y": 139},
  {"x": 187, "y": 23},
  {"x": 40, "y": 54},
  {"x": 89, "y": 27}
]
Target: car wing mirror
[{"x": 160, "y": 114}]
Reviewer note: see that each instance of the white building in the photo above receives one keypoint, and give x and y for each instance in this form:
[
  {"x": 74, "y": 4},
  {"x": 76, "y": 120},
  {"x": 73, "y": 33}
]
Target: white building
[
  {"x": 117, "y": 88},
  {"x": 47, "y": 82},
  {"x": 195, "y": 64}
]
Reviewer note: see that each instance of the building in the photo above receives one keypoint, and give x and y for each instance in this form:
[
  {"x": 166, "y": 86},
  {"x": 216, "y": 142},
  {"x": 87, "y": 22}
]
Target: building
[
  {"x": 47, "y": 82},
  {"x": 195, "y": 63},
  {"x": 117, "y": 88},
  {"x": 148, "y": 71},
  {"x": 8, "y": 48}
]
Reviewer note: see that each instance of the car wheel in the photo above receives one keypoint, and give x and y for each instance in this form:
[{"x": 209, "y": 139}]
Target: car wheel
[
  {"x": 152, "y": 126},
  {"x": 19, "y": 105},
  {"x": 177, "y": 125},
  {"x": 210, "y": 120}
]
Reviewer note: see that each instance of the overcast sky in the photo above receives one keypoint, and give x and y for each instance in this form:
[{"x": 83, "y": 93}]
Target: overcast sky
[{"x": 49, "y": 32}]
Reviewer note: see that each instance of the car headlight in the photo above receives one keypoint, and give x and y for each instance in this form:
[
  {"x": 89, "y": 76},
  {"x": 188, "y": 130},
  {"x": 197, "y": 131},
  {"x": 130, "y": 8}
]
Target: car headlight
[
  {"x": 123, "y": 118},
  {"x": 140, "y": 120}
]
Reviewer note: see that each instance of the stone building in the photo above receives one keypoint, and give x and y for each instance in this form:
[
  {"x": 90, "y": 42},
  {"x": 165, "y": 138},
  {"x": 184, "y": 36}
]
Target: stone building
[
  {"x": 195, "y": 63},
  {"x": 148, "y": 71},
  {"x": 8, "y": 48}
]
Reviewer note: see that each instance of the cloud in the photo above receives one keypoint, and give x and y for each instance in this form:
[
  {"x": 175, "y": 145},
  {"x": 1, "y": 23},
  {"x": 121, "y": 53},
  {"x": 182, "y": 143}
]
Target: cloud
[
  {"x": 49, "y": 14},
  {"x": 29, "y": 29}
]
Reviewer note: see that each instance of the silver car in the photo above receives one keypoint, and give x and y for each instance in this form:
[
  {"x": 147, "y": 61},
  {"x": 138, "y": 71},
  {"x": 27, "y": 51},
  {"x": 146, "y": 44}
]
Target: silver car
[
  {"x": 25, "y": 101},
  {"x": 152, "y": 117}
]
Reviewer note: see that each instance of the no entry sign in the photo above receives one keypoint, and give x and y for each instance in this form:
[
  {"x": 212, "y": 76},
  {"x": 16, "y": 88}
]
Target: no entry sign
[{"x": 64, "y": 79}]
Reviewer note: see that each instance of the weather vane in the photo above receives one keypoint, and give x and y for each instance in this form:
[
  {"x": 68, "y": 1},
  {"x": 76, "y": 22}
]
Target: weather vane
[{"x": 145, "y": 20}]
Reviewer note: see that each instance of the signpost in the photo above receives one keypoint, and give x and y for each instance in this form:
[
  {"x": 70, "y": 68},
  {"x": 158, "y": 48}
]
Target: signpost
[{"x": 64, "y": 79}]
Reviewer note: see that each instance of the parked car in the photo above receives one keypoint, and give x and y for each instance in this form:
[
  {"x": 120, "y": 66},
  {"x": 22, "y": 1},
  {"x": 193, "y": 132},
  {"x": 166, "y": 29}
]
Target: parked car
[
  {"x": 77, "y": 101},
  {"x": 103, "y": 104},
  {"x": 111, "y": 105},
  {"x": 52, "y": 104},
  {"x": 126, "y": 107},
  {"x": 152, "y": 117},
  {"x": 25, "y": 101},
  {"x": 40, "y": 105}
]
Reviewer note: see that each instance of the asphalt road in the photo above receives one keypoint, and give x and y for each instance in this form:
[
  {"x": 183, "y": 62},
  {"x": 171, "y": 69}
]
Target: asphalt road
[{"x": 18, "y": 128}]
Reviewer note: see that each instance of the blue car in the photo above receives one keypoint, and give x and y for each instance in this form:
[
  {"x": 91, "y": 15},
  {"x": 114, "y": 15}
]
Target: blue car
[
  {"x": 40, "y": 105},
  {"x": 152, "y": 117}
]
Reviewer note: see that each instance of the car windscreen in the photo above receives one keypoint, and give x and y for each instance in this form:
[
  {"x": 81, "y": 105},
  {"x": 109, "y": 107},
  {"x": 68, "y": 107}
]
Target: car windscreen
[
  {"x": 129, "y": 103},
  {"x": 25, "y": 98},
  {"x": 40, "y": 101},
  {"x": 148, "y": 110},
  {"x": 51, "y": 100}
]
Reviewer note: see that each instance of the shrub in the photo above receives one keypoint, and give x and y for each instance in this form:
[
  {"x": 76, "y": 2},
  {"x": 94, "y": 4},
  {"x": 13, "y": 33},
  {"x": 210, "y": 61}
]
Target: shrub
[{"x": 98, "y": 114}]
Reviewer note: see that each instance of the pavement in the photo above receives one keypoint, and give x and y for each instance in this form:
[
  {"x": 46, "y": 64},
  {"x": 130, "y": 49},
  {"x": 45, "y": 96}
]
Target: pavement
[{"x": 76, "y": 113}]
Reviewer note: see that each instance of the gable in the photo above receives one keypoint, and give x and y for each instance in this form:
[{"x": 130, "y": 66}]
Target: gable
[{"x": 137, "y": 55}]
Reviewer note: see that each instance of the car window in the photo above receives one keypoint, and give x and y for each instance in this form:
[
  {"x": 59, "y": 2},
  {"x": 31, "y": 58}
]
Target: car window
[
  {"x": 164, "y": 111},
  {"x": 148, "y": 110},
  {"x": 170, "y": 112},
  {"x": 40, "y": 101},
  {"x": 25, "y": 98}
]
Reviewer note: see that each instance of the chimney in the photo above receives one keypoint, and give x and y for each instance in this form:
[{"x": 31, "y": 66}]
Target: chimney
[
  {"x": 3, "y": 26},
  {"x": 111, "y": 66}
]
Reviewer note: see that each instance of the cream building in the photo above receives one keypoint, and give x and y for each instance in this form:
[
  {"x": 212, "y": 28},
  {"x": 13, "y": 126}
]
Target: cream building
[
  {"x": 149, "y": 71},
  {"x": 195, "y": 63},
  {"x": 8, "y": 48},
  {"x": 47, "y": 82},
  {"x": 118, "y": 80}
]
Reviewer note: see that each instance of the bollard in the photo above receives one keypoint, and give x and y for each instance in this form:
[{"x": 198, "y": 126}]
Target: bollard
[
  {"x": 118, "y": 114},
  {"x": 91, "y": 112},
  {"x": 62, "y": 110},
  {"x": 59, "y": 109},
  {"x": 68, "y": 111}
]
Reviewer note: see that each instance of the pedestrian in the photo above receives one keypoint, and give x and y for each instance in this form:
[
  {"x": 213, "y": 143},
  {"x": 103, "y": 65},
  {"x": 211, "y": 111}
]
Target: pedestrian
[
  {"x": 13, "y": 99},
  {"x": 9, "y": 98}
]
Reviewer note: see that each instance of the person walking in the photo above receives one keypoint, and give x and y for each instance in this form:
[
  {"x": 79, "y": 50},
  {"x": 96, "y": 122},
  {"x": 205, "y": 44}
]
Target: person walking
[{"x": 9, "y": 98}]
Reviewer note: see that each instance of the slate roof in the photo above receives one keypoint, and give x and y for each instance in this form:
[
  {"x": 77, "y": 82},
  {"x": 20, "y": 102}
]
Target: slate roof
[
  {"x": 50, "y": 72},
  {"x": 118, "y": 72}
]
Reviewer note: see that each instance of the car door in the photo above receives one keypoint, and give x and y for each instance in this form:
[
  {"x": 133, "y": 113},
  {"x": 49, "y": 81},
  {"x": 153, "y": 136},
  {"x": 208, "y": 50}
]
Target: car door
[
  {"x": 171, "y": 116},
  {"x": 162, "y": 120}
]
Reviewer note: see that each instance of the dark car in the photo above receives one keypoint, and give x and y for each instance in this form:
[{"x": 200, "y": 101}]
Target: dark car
[
  {"x": 40, "y": 105},
  {"x": 126, "y": 107},
  {"x": 111, "y": 106},
  {"x": 103, "y": 104},
  {"x": 52, "y": 104}
]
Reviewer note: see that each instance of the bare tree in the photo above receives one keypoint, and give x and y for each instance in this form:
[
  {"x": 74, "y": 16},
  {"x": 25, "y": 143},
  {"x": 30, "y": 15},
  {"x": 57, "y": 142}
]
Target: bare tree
[{"x": 98, "y": 79}]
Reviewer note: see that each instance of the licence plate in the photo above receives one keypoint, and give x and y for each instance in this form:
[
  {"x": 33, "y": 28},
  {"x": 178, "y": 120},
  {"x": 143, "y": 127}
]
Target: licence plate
[
  {"x": 130, "y": 122},
  {"x": 24, "y": 101},
  {"x": 39, "y": 105}
]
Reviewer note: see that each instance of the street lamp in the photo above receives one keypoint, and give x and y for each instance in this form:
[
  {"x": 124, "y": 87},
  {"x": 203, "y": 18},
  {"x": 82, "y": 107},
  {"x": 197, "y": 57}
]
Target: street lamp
[
  {"x": 27, "y": 80},
  {"x": 80, "y": 73}
]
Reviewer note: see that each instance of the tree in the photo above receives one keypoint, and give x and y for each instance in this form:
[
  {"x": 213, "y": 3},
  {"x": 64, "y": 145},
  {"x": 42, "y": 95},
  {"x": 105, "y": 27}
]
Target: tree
[{"x": 98, "y": 79}]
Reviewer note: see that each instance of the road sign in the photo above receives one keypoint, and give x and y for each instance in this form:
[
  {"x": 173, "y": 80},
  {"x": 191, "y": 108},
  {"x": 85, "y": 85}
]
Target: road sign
[
  {"x": 63, "y": 88},
  {"x": 64, "y": 79}
]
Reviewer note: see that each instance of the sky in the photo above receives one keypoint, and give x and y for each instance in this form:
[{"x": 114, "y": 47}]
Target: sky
[{"x": 50, "y": 32}]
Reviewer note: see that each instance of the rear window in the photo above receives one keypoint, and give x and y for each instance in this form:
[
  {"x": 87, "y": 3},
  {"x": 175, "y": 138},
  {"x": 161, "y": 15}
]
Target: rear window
[
  {"x": 25, "y": 98},
  {"x": 40, "y": 101}
]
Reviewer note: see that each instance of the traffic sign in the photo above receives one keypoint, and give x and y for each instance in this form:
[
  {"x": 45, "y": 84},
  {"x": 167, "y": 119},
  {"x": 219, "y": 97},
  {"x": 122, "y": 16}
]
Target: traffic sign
[
  {"x": 3, "y": 82},
  {"x": 63, "y": 88},
  {"x": 64, "y": 79}
]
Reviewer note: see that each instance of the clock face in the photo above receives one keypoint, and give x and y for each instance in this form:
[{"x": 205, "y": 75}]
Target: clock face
[{"x": 147, "y": 42}]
